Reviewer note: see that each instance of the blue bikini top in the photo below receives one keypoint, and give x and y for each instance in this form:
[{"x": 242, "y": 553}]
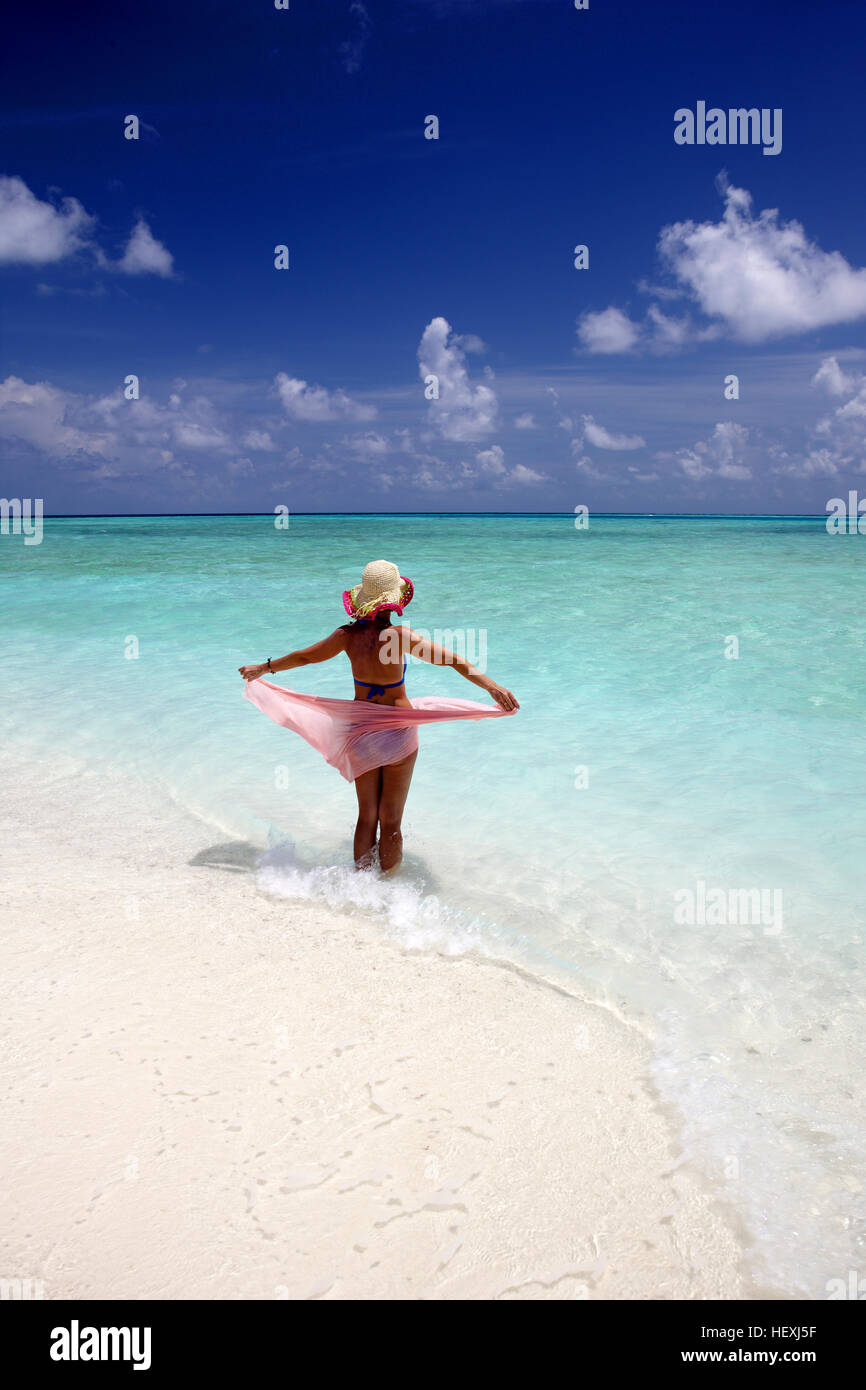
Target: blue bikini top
[{"x": 380, "y": 689}]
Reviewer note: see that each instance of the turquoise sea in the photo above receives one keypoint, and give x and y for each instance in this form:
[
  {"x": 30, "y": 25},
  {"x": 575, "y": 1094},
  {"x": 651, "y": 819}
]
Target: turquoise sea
[{"x": 673, "y": 823}]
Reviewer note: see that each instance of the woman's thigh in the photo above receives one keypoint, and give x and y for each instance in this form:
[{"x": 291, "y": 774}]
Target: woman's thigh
[
  {"x": 368, "y": 787},
  {"x": 395, "y": 788}
]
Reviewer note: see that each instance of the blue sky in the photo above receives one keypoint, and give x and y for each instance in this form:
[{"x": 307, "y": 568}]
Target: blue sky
[{"x": 412, "y": 257}]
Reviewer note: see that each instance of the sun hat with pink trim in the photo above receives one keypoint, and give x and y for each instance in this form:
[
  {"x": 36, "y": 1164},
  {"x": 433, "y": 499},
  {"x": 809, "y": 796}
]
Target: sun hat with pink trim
[{"x": 382, "y": 587}]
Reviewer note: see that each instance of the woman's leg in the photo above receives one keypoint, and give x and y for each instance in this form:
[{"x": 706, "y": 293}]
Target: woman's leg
[
  {"x": 392, "y": 798},
  {"x": 368, "y": 787}
]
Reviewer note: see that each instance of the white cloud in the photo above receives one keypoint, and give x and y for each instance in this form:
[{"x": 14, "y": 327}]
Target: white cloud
[
  {"x": 521, "y": 474},
  {"x": 144, "y": 255},
  {"x": 761, "y": 277},
  {"x": 488, "y": 469},
  {"x": 525, "y": 422},
  {"x": 368, "y": 446},
  {"x": 303, "y": 402},
  {"x": 36, "y": 233},
  {"x": 833, "y": 379},
  {"x": 492, "y": 460},
  {"x": 185, "y": 423},
  {"x": 838, "y": 442},
  {"x": 719, "y": 455},
  {"x": 463, "y": 412},
  {"x": 40, "y": 414},
  {"x": 752, "y": 277},
  {"x": 608, "y": 331},
  {"x": 692, "y": 463},
  {"x": 818, "y": 462},
  {"x": 438, "y": 476},
  {"x": 470, "y": 342},
  {"x": 666, "y": 334},
  {"x": 585, "y": 465},
  {"x": 76, "y": 291},
  {"x": 109, "y": 436},
  {"x": 190, "y": 434},
  {"x": 258, "y": 439},
  {"x": 600, "y": 438},
  {"x": 643, "y": 477},
  {"x": 352, "y": 51}
]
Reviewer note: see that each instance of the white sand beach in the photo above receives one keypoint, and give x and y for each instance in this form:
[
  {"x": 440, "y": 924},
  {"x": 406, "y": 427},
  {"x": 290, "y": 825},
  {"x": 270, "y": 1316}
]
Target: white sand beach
[{"x": 208, "y": 1093}]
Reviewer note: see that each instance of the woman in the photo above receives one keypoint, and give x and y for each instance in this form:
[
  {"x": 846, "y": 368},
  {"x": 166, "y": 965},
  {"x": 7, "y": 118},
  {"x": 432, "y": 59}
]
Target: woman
[{"x": 373, "y": 739}]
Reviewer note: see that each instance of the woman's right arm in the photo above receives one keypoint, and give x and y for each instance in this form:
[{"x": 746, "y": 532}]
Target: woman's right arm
[
  {"x": 309, "y": 656},
  {"x": 436, "y": 655}
]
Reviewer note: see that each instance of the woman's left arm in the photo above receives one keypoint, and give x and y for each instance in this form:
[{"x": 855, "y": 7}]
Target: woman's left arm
[{"x": 319, "y": 651}]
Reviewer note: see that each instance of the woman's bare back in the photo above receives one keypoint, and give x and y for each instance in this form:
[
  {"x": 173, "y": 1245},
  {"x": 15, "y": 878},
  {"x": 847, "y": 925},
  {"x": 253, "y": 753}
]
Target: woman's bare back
[{"x": 375, "y": 655}]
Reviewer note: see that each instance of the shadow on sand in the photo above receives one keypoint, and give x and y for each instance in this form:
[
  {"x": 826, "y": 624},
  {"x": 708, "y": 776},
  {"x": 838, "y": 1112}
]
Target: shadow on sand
[{"x": 236, "y": 857}]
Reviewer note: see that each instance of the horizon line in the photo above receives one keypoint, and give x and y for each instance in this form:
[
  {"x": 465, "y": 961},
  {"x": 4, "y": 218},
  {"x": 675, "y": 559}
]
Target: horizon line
[{"x": 667, "y": 516}]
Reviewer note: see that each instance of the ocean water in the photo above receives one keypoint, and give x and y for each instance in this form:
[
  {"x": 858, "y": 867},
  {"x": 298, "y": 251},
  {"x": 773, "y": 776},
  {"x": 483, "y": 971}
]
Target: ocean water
[{"x": 672, "y": 824}]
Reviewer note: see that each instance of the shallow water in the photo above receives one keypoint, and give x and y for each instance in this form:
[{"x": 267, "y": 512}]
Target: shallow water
[{"x": 573, "y": 838}]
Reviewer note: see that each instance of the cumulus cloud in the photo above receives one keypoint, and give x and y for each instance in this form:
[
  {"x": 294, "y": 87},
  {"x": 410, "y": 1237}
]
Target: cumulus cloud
[
  {"x": 838, "y": 440},
  {"x": 191, "y": 434},
  {"x": 258, "y": 439},
  {"x": 720, "y": 455},
  {"x": 564, "y": 422},
  {"x": 109, "y": 436},
  {"x": 303, "y": 402},
  {"x": 41, "y": 415},
  {"x": 33, "y": 232},
  {"x": 752, "y": 276},
  {"x": 188, "y": 424},
  {"x": 662, "y": 333},
  {"x": 585, "y": 465},
  {"x": 760, "y": 276},
  {"x": 144, "y": 255},
  {"x": 521, "y": 474},
  {"x": 601, "y": 438},
  {"x": 525, "y": 422},
  {"x": 639, "y": 477},
  {"x": 463, "y": 412},
  {"x": 608, "y": 331},
  {"x": 435, "y": 475},
  {"x": 833, "y": 379},
  {"x": 37, "y": 233},
  {"x": 492, "y": 462},
  {"x": 368, "y": 446},
  {"x": 488, "y": 469}
]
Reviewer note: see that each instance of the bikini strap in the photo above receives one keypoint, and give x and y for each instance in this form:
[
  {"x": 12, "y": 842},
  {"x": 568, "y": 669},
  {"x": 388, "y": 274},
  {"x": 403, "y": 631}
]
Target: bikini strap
[{"x": 380, "y": 689}]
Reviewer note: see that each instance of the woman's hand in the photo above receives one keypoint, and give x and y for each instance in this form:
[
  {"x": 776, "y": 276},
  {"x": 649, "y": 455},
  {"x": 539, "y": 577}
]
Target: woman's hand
[
  {"x": 503, "y": 697},
  {"x": 252, "y": 673}
]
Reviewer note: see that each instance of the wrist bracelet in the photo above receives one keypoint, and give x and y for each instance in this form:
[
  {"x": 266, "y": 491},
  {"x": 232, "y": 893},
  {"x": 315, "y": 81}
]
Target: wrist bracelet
[{"x": 270, "y": 667}]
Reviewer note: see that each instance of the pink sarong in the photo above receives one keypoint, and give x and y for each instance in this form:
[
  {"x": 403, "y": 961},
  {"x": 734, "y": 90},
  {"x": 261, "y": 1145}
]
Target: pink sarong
[{"x": 357, "y": 735}]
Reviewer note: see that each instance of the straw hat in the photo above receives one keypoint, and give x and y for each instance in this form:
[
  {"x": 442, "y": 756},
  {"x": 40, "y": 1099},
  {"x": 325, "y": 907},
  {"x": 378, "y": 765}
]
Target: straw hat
[{"x": 382, "y": 586}]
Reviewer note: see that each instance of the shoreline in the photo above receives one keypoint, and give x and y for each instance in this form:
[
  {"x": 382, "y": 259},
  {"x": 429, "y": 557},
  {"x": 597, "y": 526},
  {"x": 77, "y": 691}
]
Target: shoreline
[{"x": 214, "y": 1093}]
